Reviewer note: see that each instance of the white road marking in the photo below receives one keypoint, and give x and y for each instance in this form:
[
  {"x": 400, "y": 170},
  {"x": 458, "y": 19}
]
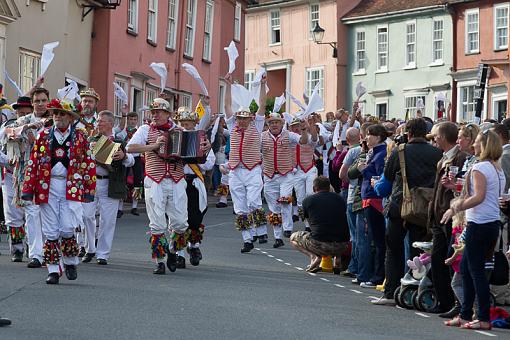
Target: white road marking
[
  {"x": 279, "y": 260},
  {"x": 486, "y": 333},
  {"x": 269, "y": 255},
  {"x": 313, "y": 274},
  {"x": 217, "y": 225},
  {"x": 355, "y": 291},
  {"x": 298, "y": 268},
  {"x": 421, "y": 314},
  {"x": 287, "y": 264},
  {"x": 339, "y": 286},
  {"x": 372, "y": 297},
  {"x": 263, "y": 252},
  {"x": 257, "y": 248},
  {"x": 399, "y": 307},
  {"x": 323, "y": 279}
]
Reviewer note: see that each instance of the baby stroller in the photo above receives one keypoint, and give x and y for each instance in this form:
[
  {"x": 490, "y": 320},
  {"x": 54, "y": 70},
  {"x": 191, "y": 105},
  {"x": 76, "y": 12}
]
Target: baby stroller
[{"x": 416, "y": 289}]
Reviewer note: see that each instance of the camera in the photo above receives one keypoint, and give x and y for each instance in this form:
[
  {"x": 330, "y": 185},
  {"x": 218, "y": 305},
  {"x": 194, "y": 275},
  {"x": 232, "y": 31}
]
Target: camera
[{"x": 401, "y": 139}]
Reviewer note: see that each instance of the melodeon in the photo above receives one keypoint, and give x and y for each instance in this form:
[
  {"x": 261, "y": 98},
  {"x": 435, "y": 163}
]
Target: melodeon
[
  {"x": 103, "y": 151},
  {"x": 184, "y": 145}
]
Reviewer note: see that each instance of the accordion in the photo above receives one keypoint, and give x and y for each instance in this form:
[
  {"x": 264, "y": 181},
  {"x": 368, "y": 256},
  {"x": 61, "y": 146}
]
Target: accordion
[
  {"x": 103, "y": 151},
  {"x": 183, "y": 145}
]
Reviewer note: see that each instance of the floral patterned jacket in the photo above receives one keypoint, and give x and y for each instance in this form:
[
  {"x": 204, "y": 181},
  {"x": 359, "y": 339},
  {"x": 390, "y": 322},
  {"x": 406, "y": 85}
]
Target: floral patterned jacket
[{"x": 81, "y": 173}]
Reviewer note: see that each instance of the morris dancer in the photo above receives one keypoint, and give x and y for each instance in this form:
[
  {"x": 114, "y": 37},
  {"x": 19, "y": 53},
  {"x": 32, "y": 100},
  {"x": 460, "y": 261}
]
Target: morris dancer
[
  {"x": 165, "y": 188},
  {"x": 196, "y": 193},
  {"x": 59, "y": 176},
  {"x": 245, "y": 179},
  {"x": 110, "y": 188},
  {"x": 278, "y": 147}
]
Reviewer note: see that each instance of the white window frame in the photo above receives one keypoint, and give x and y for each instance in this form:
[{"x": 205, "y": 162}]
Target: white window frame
[
  {"x": 467, "y": 48},
  {"x": 436, "y": 61},
  {"x": 385, "y": 67},
  {"x": 311, "y": 18},
  {"x": 360, "y": 70},
  {"x": 413, "y": 97},
  {"x": 186, "y": 100},
  {"x": 191, "y": 24},
  {"x": 275, "y": 28},
  {"x": 152, "y": 12},
  {"x": 310, "y": 83},
  {"x": 249, "y": 77},
  {"x": 151, "y": 93},
  {"x": 27, "y": 81},
  {"x": 506, "y": 6},
  {"x": 117, "y": 105},
  {"x": 381, "y": 101},
  {"x": 410, "y": 42},
  {"x": 171, "y": 34},
  {"x": 237, "y": 21},
  {"x": 133, "y": 16},
  {"x": 466, "y": 116},
  {"x": 208, "y": 30}
]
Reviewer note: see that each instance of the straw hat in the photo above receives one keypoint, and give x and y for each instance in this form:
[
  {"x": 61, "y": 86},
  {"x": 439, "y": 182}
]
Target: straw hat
[
  {"x": 160, "y": 104},
  {"x": 185, "y": 114},
  {"x": 274, "y": 116},
  {"x": 62, "y": 106},
  {"x": 90, "y": 92}
]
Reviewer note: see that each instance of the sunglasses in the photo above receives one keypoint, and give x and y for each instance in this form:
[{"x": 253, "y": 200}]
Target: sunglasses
[{"x": 59, "y": 113}]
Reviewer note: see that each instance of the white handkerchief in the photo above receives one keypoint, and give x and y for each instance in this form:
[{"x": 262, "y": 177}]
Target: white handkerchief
[
  {"x": 233, "y": 54},
  {"x": 47, "y": 56},
  {"x": 160, "y": 69}
]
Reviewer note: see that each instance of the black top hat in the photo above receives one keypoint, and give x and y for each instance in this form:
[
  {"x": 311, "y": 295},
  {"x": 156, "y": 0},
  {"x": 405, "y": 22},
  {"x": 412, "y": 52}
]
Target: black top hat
[{"x": 23, "y": 102}]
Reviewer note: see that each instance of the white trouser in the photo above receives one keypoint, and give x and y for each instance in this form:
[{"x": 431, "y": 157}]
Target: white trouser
[
  {"x": 59, "y": 218},
  {"x": 14, "y": 217},
  {"x": 107, "y": 221},
  {"x": 303, "y": 184},
  {"x": 274, "y": 188},
  {"x": 34, "y": 231},
  {"x": 245, "y": 189},
  {"x": 170, "y": 198}
]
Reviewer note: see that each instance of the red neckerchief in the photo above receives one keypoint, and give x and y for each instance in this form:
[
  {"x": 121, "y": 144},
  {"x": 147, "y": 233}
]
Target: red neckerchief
[{"x": 163, "y": 127}]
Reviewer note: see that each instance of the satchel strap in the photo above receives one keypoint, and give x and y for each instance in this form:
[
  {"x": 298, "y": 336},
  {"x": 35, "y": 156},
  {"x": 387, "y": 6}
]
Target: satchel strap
[{"x": 402, "y": 160}]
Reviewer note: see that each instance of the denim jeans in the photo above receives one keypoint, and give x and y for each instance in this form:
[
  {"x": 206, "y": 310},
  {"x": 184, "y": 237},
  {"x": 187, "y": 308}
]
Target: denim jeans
[
  {"x": 377, "y": 226},
  {"x": 479, "y": 245},
  {"x": 216, "y": 177},
  {"x": 351, "y": 220},
  {"x": 364, "y": 248}
]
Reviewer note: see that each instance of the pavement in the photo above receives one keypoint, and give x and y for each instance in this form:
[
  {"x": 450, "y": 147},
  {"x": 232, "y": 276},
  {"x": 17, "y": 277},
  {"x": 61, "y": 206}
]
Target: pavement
[{"x": 264, "y": 294}]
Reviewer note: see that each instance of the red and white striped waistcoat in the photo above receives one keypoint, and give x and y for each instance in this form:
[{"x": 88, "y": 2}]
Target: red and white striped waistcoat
[
  {"x": 244, "y": 147},
  {"x": 277, "y": 154},
  {"x": 304, "y": 157},
  {"x": 156, "y": 168}
]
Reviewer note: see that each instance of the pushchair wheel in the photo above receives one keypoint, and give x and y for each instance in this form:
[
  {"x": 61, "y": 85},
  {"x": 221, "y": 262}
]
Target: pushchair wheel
[
  {"x": 406, "y": 296},
  {"x": 427, "y": 300},
  {"x": 396, "y": 296},
  {"x": 415, "y": 300}
]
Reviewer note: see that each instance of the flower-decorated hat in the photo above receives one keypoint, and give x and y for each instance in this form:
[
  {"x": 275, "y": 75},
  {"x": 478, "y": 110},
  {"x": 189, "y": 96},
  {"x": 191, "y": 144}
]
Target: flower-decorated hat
[
  {"x": 295, "y": 121},
  {"x": 274, "y": 116},
  {"x": 160, "y": 104},
  {"x": 70, "y": 108},
  {"x": 90, "y": 92},
  {"x": 185, "y": 114}
]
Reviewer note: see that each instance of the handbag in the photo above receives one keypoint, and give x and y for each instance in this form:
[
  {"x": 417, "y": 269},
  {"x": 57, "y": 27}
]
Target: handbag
[
  {"x": 415, "y": 201},
  {"x": 499, "y": 275}
]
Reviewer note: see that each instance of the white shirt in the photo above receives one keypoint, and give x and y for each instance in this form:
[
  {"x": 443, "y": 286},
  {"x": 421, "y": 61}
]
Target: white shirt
[
  {"x": 345, "y": 127},
  {"x": 208, "y": 165},
  {"x": 129, "y": 161}
]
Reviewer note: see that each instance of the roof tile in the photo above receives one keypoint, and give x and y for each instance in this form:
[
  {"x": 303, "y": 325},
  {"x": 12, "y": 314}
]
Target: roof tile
[{"x": 373, "y": 7}]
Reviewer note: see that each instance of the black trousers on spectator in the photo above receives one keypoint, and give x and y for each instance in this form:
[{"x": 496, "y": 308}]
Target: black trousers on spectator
[
  {"x": 441, "y": 277},
  {"x": 137, "y": 169},
  {"x": 333, "y": 178},
  {"x": 395, "y": 253},
  {"x": 377, "y": 225}
]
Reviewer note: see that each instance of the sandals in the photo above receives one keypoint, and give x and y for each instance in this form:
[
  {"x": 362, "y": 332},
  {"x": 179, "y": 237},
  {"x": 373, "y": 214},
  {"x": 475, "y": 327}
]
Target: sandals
[
  {"x": 315, "y": 269},
  {"x": 478, "y": 325},
  {"x": 456, "y": 322}
]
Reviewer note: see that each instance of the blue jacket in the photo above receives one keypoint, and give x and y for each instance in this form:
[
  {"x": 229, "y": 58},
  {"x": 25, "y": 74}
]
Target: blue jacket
[
  {"x": 383, "y": 187},
  {"x": 375, "y": 167}
]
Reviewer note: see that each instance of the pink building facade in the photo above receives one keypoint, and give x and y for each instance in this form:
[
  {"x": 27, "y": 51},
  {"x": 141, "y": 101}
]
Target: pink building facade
[
  {"x": 481, "y": 33},
  {"x": 279, "y": 39},
  {"x": 127, "y": 40}
]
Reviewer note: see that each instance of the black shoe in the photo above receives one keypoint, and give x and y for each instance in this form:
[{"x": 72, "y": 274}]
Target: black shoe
[
  {"x": 171, "y": 262},
  {"x": 134, "y": 211},
  {"x": 88, "y": 257},
  {"x": 295, "y": 218},
  {"x": 4, "y": 322},
  {"x": 278, "y": 243},
  {"x": 52, "y": 279},
  {"x": 199, "y": 253},
  {"x": 71, "y": 272},
  {"x": 181, "y": 262},
  {"x": 102, "y": 262},
  {"x": 194, "y": 256},
  {"x": 82, "y": 252},
  {"x": 248, "y": 246},
  {"x": 308, "y": 229},
  {"x": 452, "y": 312},
  {"x": 287, "y": 233},
  {"x": 34, "y": 263},
  {"x": 160, "y": 269},
  {"x": 119, "y": 213},
  {"x": 263, "y": 239},
  {"x": 254, "y": 239},
  {"x": 17, "y": 256},
  {"x": 221, "y": 205}
]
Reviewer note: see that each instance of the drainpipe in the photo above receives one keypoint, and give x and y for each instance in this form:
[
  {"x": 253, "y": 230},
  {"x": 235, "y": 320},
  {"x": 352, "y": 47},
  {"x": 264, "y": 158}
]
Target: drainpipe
[
  {"x": 179, "y": 51},
  {"x": 454, "y": 15}
]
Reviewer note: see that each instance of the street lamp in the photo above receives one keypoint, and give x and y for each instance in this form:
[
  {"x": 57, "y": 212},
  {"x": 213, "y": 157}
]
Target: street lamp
[{"x": 318, "y": 35}]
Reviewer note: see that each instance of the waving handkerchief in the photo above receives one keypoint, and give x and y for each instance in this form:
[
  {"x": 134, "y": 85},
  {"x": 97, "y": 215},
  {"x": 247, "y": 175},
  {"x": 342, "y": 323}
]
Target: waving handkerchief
[
  {"x": 47, "y": 56},
  {"x": 278, "y": 102},
  {"x": 296, "y": 101},
  {"x": 13, "y": 83},
  {"x": 160, "y": 69},
  {"x": 120, "y": 93},
  {"x": 233, "y": 54},
  {"x": 194, "y": 73}
]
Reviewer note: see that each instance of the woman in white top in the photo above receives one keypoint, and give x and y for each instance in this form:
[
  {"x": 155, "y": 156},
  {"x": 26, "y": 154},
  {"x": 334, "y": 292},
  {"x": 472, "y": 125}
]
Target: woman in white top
[{"x": 485, "y": 183}]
